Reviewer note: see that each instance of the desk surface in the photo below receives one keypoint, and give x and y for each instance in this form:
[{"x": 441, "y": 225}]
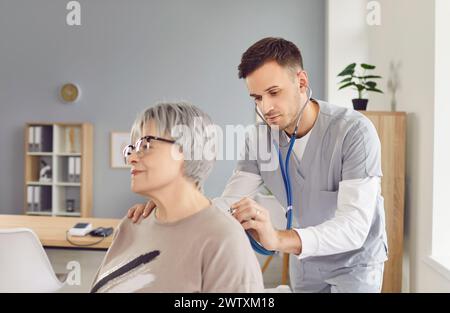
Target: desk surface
[{"x": 52, "y": 230}]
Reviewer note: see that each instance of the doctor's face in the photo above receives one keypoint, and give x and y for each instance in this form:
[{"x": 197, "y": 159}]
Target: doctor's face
[
  {"x": 155, "y": 166},
  {"x": 278, "y": 92}
]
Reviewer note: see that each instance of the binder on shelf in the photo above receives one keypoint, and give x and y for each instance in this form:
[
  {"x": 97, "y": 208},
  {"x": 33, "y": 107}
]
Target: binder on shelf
[
  {"x": 77, "y": 169},
  {"x": 47, "y": 138},
  {"x": 31, "y": 139},
  {"x": 71, "y": 173},
  {"x": 46, "y": 199},
  {"x": 30, "y": 198},
  {"x": 37, "y": 198},
  {"x": 38, "y": 138}
]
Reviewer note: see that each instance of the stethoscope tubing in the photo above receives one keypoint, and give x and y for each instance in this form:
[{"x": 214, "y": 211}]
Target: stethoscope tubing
[{"x": 286, "y": 181}]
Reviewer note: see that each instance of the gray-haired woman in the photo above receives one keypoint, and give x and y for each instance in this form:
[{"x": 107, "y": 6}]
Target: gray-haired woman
[{"x": 187, "y": 245}]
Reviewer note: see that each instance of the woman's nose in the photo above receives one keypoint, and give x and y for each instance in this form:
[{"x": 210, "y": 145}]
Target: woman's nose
[{"x": 132, "y": 158}]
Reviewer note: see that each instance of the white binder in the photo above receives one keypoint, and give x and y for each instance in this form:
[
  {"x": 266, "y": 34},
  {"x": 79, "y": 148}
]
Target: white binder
[
  {"x": 71, "y": 172},
  {"x": 38, "y": 138},
  {"x": 77, "y": 169},
  {"x": 31, "y": 139},
  {"x": 30, "y": 198},
  {"x": 37, "y": 198}
]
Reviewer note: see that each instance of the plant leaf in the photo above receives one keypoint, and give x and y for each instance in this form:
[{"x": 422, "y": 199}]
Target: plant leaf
[
  {"x": 346, "y": 80},
  {"x": 367, "y": 66},
  {"x": 350, "y": 66},
  {"x": 346, "y": 85},
  {"x": 349, "y": 70},
  {"x": 369, "y": 77},
  {"x": 375, "y": 90},
  {"x": 371, "y": 84}
]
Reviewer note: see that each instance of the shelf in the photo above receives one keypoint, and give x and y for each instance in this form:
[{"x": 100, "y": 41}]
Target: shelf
[
  {"x": 62, "y": 153},
  {"x": 65, "y": 196},
  {"x": 67, "y": 154},
  {"x": 76, "y": 214},
  {"x": 62, "y": 184},
  {"x": 64, "y": 166},
  {"x": 38, "y": 198},
  {"x": 52, "y": 153},
  {"x": 39, "y": 139},
  {"x": 40, "y": 153},
  {"x": 37, "y": 183},
  {"x": 68, "y": 139},
  {"x": 38, "y": 165},
  {"x": 39, "y": 213}
]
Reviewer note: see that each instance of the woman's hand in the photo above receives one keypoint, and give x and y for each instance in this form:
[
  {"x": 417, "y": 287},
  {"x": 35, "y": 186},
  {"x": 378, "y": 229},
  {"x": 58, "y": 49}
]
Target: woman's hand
[{"x": 140, "y": 210}]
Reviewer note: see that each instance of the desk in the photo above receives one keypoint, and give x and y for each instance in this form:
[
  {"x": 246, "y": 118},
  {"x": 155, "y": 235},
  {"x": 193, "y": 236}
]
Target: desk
[{"x": 52, "y": 230}]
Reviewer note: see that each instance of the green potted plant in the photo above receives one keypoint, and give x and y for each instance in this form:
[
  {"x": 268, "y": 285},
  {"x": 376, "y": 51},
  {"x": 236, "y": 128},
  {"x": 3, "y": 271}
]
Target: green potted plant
[{"x": 359, "y": 81}]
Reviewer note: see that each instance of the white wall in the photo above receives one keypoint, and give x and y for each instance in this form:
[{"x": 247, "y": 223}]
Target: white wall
[
  {"x": 441, "y": 166},
  {"x": 346, "y": 42},
  {"x": 406, "y": 35},
  {"x": 127, "y": 55}
]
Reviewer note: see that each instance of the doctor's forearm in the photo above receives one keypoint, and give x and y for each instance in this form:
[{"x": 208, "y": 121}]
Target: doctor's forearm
[{"x": 289, "y": 242}]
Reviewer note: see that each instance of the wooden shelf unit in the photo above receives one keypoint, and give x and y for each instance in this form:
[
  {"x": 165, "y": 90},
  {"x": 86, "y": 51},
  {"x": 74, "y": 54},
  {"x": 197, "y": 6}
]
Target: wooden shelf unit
[
  {"x": 391, "y": 129},
  {"x": 78, "y": 137}
]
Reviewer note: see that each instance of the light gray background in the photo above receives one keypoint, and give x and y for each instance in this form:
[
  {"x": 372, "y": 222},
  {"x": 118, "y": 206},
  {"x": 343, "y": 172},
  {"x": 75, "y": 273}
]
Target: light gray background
[{"x": 127, "y": 55}]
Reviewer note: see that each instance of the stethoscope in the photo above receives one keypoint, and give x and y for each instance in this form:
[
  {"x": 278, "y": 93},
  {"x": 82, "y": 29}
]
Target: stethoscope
[{"x": 284, "y": 173}]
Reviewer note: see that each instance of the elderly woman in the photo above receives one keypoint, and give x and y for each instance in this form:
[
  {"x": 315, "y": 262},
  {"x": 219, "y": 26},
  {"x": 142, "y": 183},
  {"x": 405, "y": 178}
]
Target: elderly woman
[{"x": 187, "y": 244}]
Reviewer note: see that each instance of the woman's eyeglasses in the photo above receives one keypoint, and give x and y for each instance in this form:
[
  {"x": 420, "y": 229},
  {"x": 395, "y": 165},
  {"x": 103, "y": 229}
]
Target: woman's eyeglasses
[{"x": 142, "y": 146}]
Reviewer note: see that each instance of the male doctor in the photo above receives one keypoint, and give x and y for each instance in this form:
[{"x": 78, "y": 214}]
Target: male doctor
[{"x": 338, "y": 242}]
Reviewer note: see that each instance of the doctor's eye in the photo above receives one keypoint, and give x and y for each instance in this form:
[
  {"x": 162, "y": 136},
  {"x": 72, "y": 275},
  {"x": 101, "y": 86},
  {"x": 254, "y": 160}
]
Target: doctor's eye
[{"x": 274, "y": 93}]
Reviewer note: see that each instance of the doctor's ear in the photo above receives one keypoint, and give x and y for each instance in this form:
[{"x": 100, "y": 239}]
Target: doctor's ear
[
  {"x": 303, "y": 81},
  {"x": 304, "y": 88}
]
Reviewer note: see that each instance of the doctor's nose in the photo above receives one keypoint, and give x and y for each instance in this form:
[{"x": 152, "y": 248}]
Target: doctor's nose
[{"x": 266, "y": 106}]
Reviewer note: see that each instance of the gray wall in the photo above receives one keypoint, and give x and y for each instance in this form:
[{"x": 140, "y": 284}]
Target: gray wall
[{"x": 125, "y": 56}]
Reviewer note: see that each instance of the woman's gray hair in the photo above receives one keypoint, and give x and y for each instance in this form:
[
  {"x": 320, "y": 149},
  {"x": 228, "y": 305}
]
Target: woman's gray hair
[{"x": 192, "y": 130}]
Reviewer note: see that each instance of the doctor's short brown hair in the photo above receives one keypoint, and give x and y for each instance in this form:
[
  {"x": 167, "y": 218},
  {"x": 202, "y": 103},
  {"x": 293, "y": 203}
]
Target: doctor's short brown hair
[{"x": 284, "y": 52}]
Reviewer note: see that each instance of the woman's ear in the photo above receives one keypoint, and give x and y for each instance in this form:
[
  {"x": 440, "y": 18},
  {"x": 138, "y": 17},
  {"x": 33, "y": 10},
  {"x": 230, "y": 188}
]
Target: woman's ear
[{"x": 177, "y": 152}]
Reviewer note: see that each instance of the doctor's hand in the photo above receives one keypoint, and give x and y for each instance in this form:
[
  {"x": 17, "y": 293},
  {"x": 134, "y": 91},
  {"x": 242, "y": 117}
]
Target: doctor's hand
[
  {"x": 256, "y": 220},
  {"x": 139, "y": 211}
]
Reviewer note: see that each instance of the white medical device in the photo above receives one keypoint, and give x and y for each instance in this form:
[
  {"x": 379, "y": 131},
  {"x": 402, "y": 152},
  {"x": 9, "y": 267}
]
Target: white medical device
[{"x": 80, "y": 229}]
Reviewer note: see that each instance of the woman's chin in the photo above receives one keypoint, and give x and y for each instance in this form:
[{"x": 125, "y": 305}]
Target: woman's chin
[
  {"x": 141, "y": 190},
  {"x": 137, "y": 189},
  {"x": 148, "y": 187}
]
